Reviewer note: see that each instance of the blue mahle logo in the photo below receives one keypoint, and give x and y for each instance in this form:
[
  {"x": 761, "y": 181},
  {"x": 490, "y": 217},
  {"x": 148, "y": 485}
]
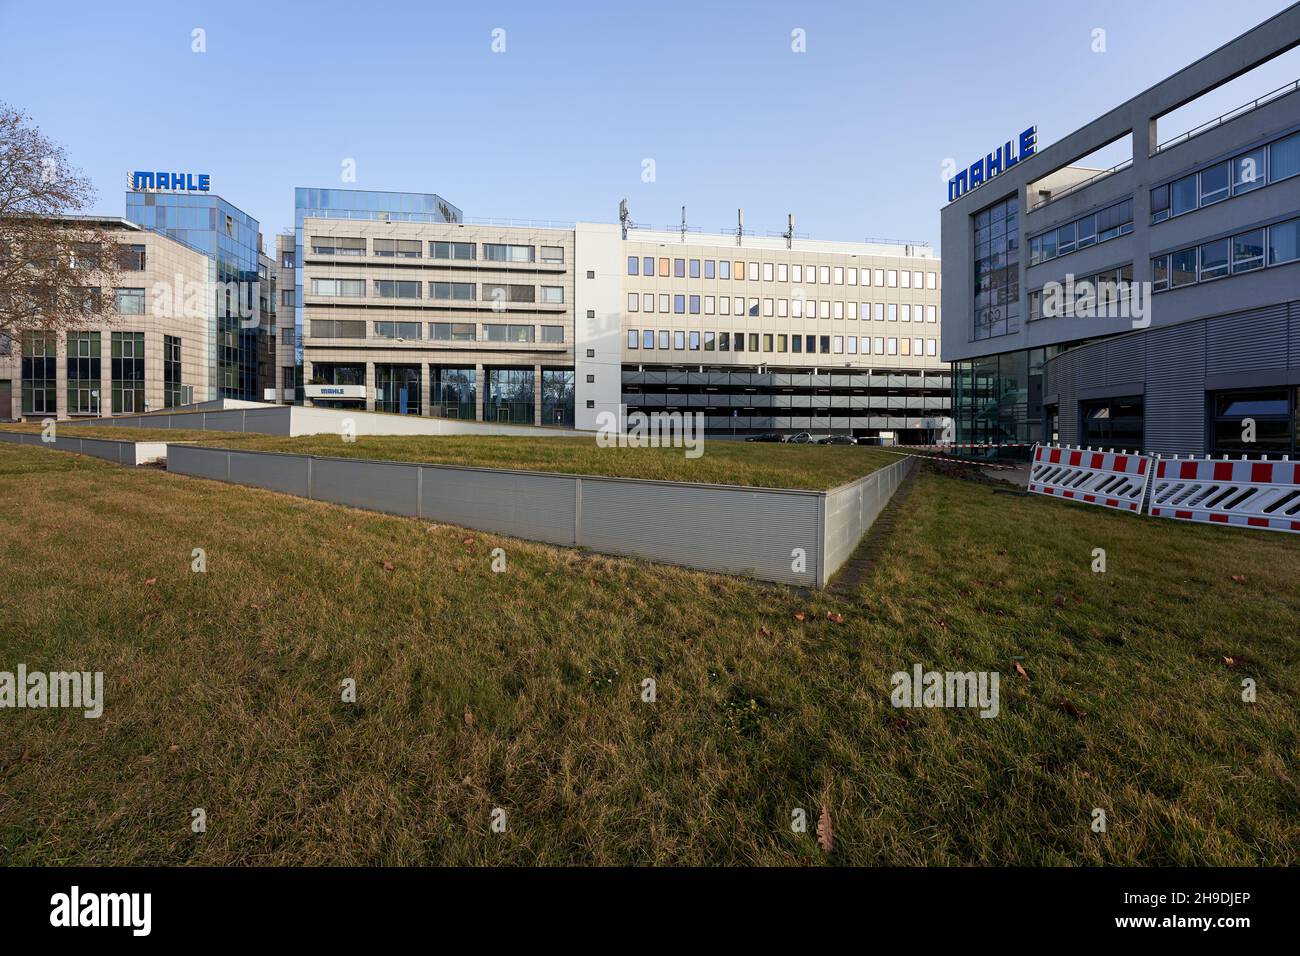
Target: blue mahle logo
[
  {"x": 994, "y": 164},
  {"x": 187, "y": 182}
]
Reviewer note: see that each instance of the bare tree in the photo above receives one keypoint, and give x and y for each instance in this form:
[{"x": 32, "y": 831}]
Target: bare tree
[{"x": 57, "y": 269}]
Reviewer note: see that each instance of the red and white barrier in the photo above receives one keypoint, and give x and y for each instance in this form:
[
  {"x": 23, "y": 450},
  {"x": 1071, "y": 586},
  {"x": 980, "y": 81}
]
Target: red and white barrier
[
  {"x": 1114, "y": 480},
  {"x": 1252, "y": 494}
]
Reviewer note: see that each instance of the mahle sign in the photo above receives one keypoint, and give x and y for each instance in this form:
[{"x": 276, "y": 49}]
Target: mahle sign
[
  {"x": 179, "y": 182},
  {"x": 994, "y": 164}
]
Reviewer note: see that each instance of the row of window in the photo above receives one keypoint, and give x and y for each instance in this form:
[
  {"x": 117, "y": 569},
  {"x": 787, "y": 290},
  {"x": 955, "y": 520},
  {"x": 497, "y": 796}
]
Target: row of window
[
  {"x": 1245, "y": 252},
  {"x": 1093, "y": 293},
  {"x": 797, "y": 308},
  {"x": 778, "y": 342},
  {"x": 1108, "y": 223},
  {"x": 415, "y": 249},
  {"x": 776, "y": 272},
  {"x": 437, "y": 331},
  {"x": 39, "y": 375},
  {"x": 1266, "y": 164},
  {"x": 452, "y": 291}
]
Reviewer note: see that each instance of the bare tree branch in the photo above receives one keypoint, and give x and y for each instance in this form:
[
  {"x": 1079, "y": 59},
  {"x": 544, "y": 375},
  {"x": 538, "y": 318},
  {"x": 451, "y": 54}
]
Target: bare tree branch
[{"x": 57, "y": 271}]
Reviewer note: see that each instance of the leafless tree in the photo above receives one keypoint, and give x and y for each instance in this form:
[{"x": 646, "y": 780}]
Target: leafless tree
[{"x": 57, "y": 269}]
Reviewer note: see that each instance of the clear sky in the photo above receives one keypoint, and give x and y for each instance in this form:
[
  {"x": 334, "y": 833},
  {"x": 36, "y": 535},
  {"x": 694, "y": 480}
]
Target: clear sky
[{"x": 850, "y": 135}]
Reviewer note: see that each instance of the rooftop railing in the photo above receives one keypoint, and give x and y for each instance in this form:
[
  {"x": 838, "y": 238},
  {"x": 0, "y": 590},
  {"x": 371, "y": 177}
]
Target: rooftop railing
[
  {"x": 1230, "y": 115},
  {"x": 1082, "y": 184}
]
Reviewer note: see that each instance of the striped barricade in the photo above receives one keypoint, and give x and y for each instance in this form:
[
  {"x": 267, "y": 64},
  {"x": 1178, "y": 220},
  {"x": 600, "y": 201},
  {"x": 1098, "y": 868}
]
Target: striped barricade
[
  {"x": 1115, "y": 480},
  {"x": 1251, "y": 494}
]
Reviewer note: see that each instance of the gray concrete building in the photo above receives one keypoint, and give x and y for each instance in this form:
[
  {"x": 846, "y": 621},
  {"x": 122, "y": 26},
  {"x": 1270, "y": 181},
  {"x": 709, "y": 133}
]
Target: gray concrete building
[{"x": 1152, "y": 305}]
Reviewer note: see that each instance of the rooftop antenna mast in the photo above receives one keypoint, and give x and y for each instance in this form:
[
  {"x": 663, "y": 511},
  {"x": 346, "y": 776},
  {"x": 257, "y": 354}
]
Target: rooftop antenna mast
[
  {"x": 740, "y": 225},
  {"x": 624, "y": 217},
  {"x": 683, "y": 224},
  {"x": 789, "y": 231}
]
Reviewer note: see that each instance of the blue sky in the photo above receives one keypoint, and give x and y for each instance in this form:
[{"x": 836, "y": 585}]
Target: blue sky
[{"x": 850, "y": 136}]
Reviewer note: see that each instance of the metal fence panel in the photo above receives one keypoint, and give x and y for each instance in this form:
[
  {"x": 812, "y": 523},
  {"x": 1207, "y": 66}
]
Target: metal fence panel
[
  {"x": 714, "y": 528},
  {"x": 533, "y": 506},
  {"x": 378, "y": 485}
]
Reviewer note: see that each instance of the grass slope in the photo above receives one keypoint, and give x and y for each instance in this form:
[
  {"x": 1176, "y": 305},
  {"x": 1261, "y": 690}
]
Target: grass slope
[{"x": 521, "y": 690}]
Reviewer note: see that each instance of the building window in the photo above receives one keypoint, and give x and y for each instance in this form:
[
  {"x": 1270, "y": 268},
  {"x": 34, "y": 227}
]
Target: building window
[
  {"x": 397, "y": 330},
  {"x": 451, "y": 250},
  {"x": 397, "y": 248},
  {"x": 558, "y": 396},
  {"x": 454, "y": 392},
  {"x": 1115, "y": 423},
  {"x": 724, "y": 269},
  {"x": 83, "y": 364},
  {"x": 501, "y": 292},
  {"x": 128, "y": 301},
  {"x": 338, "y": 329},
  {"x": 633, "y": 339},
  {"x": 633, "y": 302},
  {"x": 131, "y": 258},
  {"x": 633, "y": 265},
  {"x": 339, "y": 287},
  {"x": 679, "y": 304},
  {"x": 695, "y": 305},
  {"x": 463, "y": 291},
  {"x": 1283, "y": 242},
  {"x": 452, "y": 331},
  {"x": 996, "y": 274},
  {"x": 173, "y": 387},
  {"x": 398, "y": 389},
  {"x": 679, "y": 268},
  {"x": 509, "y": 395},
  {"x": 553, "y": 294},
  {"x": 695, "y": 268},
  {"x": 552, "y": 334},
  {"x": 1272, "y": 412},
  {"x": 648, "y": 339},
  {"x": 40, "y": 387},
  {"x": 337, "y": 246},
  {"x": 710, "y": 270},
  {"x": 503, "y": 252},
  {"x": 128, "y": 372},
  {"x": 510, "y": 333},
  {"x": 286, "y": 298},
  {"x": 397, "y": 288},
  {"x": 553, "y": 255}
]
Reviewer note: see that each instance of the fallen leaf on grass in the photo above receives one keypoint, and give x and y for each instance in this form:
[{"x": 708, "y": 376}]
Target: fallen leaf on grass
[
  {"x": 764, "y": 631},
  {"x": 1059, "y": 600},
  {"x": 388, "y": 566},
  {"x": 1069, "y": 708},
  {"x": 1229, "y": 661},
  {"x": 469, "y": 718},
  {"x": 149, "y": 581},
  {"x": 798, "y": 615},
  {"x": 1239, "y": 578},
  {"x": 825, "y": 839},
  {"x": 468, "y": 541},
  {"x": 1021, "y": 671}
]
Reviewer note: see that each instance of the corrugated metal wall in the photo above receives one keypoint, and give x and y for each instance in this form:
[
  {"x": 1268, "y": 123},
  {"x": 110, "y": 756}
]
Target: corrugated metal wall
[
  {"x": 852, "y": 509},
  {"x": 1172, "y": 363}
]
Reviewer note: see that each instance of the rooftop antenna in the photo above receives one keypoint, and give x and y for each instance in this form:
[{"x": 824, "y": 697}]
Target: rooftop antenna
[
  {"x": 683, "y": 224},
  {"x": 789, "y": 230},
  {"x": 740, "y": 225},
  {"x": 624, "y": 217}
]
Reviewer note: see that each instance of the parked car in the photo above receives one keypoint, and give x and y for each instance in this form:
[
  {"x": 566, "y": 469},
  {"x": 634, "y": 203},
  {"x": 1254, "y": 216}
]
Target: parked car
[
  {"x": 766, "y": 436},
  {"x": 838, "y": 440},
  {"x": 803, "y": 438}
]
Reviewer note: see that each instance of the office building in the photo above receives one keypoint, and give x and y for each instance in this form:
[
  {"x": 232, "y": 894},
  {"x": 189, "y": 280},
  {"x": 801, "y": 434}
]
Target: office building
[{"x": 1154, "y": 304}]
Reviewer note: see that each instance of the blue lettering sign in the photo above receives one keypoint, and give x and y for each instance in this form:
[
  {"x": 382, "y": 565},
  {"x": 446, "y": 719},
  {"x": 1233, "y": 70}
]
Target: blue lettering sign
[
  {"x": 994, "y": 164},
  {"x": 159, "y": 179}
]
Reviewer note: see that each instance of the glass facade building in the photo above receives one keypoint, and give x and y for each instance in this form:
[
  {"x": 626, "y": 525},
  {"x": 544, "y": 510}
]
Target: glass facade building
[
  {"x": 998, "y": 399},
  {"x": 229, "y": 238}
]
